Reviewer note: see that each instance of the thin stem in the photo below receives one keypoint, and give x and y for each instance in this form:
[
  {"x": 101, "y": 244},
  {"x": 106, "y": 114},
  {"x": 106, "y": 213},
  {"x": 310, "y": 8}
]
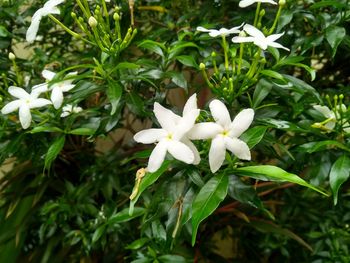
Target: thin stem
[
  {"x": 83, "y": 9},
  {"x": 257, "y": 12},
  {"x": 276, "y": 20},
  {"x": 224, "y": 45},
  {"x": 241, "y": 49}
]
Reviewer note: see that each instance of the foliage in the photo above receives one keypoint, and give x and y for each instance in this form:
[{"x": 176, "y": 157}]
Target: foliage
[{"x": 80, "y": 189}]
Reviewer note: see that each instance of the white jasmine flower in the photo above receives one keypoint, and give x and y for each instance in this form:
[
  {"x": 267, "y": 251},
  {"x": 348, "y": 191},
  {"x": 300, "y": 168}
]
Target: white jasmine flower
[
  {"x": 57, "y": 89},
  {"x": 70, "y": 109},
  {"x": 172, "y": 136},
  {"x": 224, "y": 134},
  {"x": 245, "y": 3},
  {"x": 332, "y": 116},
  {"x": 24, "y": 103},
  {"x": 258, "y": 38},
  {"x": 49, "y": 7},
  {"x": 221, "y": 32}
]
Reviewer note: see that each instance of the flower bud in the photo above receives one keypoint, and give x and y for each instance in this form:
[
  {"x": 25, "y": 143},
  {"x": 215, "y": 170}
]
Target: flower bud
[
  {"x": 202, "y": 66},
  {"x": 73, "y": 15},
  {"x": 282, "y": 2},
  {"x": 262, "y": 13},
  {"x": 116, "y": 16},
  {"x": 213, "y": 54},
  {"x": 92, "y": 21},
  {"x": 341, "y": 96},
  {"x": 12, "y": 56}
]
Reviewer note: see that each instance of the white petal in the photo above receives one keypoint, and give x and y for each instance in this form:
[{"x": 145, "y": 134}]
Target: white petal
[
  {"x": 191, "y": 104},
  {"x": 185, "y": 124},
  {"x": 24, "y": 116},
  {"x": 260, "y": 42},
  {"x": 34, "y": 26},
  {"x": 57, "y": 97},
  {"x": 180, "y": 151},
  {"x": 67, "y": 87},
  {"x": 277, "y": 45},
  {"x": 150, "y": 135},
  {"x": 220, "y": 113},
  {"x": 47, "y": 74},
  {"x": 204, "y": 130},
  {"x": 274, "y": 37},
  {"x": 37, "y": 103},
  {"x": 65, "y": 114},
  {"x": 52, "y": 3},
  {"x": 330, "y": 125},
  {"x": 193, "y": 148},
  {"x": 242, "y": 122},
  {"x": 242, "y": 39},
  {"x": 245, "y": 3},
  {"x": 11, "y": 106},
  {"x": 324, "y": 110},
  {"x": 18, "y": 92},
  {"x": 203, "y": 29},
  {"x": 38, "y": 89},
  {"x": 215, "y": 33},
  {"x": 253, "y": 31},
  {"x": 238, "y": 148},
  {"x": 157, "y": 156},
  {"x": 166, "y": 118},
  {"x": 217, "y": 153}
]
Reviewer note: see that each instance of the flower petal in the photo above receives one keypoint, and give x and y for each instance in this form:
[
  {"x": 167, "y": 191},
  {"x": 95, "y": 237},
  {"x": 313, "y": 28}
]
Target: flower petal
[
  {"x": 18, "y": 92},
  {"x": 157, "y": 156},
  {"x": 193, "y": 148},
  {"x": 38, "y": 89},
  {"x": 166, "y": 118},
  {"x": 180, "y": 151},
  {"x": 242, "y": 39},
  {"x": 274, "y": 37},
  {"x": 203, "y": 29},
  {"x": 241, "y": 122},
  {"x": 150, "y": 135},
  {"x": 277, "y": 45},
  {"x": 185, "y": 124},
  {"x": 24, "y": 116},
  {"x": 52, "y": 3},
  {"x": 66, "y": 87},
  {"x": 34, "y": 26},
  {"x": 253, "y": 31},
  {"x": 217, "y": 153},
  {"x": 238, "y": 148},
  {"x": 191, "y": 104},
  {"x": 47, "y": 74},
  {"x": 37, "y": 103},
  {"x": 57, "y": 97},
  {"x": 220, "y": 113},
  {"x": 245, "y": 3},
  {"x": 204, "y": 130},
  {"x": 11, "y": 106},
  {"x": 325, "y": 111}
]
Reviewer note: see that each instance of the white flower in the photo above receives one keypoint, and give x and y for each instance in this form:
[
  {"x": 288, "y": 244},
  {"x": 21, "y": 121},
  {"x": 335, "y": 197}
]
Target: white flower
[
  {"x": 258, "y": 38},
  {"x": 172, "y": 136},
  {"x": 332, "y": 116},
  {"x": 49, "y": 7},
  {"x": 24, "y": 103},
  {"x": 57, "y": 89},
  {"x": 224, "y": 134},
  {"x": 70, "y": 109},
  {"x": 245, "y": 3},
  {"x": 221, "y": 31}
]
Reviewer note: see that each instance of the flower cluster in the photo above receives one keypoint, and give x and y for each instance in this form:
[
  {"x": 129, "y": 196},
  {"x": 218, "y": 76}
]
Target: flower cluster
[
  {"x": 27, "y": 101},
  {"x": 176, "y": 132}
]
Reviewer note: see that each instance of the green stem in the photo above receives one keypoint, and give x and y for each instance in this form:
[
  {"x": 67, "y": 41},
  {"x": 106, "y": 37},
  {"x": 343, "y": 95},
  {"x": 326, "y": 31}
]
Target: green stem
[
  {"x": 241, "y": 49},
  {"x": 86, "y": 13},
  {"x": 224, "y": 45},
  {"x": 257, "y": 12},
  {"x": 276, "y": 20},
  {"x": 105, "y": 10},
  {"x": 204, "y": 73}
]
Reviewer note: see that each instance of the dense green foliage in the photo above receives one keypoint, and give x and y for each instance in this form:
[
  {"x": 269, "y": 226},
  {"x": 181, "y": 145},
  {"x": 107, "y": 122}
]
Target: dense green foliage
[{"x": 76, "y": 191}]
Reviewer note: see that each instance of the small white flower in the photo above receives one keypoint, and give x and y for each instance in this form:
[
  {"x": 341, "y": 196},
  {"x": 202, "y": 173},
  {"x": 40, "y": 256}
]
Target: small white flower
[
  {"x": 70, "y": 109},
  {"x": 224, "y": 134},
  {"x": 49, "y": 7},
  {"x": 221, "y": 31},
  {"x": 24, "y": 103},
  {"x": 332, "y": 116},
  {"x": 172, "y": 136},
  {"x": 245, "y": 3},
  {"x": 258, "y": 38},
  {"x": 57, "y": 89}
]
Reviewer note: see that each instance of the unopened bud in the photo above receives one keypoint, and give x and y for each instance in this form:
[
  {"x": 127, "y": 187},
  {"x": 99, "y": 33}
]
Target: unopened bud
[
  {"x": 12, "y": 56},
  {"x": 202, "y": 66},
  {"x": 282, "y": 2},
  {"x": 92, "y": 21},
  {"x": 213, "y": 54},
  {"x": 116, "y": 16},
  {"x": 262, "y": 12},
  {"x": 341, "y": 96},
  {"x": 73, "y": 15}
]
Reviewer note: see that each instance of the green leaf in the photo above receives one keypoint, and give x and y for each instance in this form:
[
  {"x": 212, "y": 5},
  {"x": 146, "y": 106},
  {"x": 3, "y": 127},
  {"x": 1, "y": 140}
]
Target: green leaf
[
  {"x": 98, "y": 233},
  {"x": 334, "y": 36},
  {"x": 153, "y": 46},
  {"x": 45, "y": 129},
  {"x": 54, "y": 150},
  {"x": 127, "y": 65},
  {"x": 172, "y": 259},
  {"x": 4, "y": 32},
  {"x": 254, "y": 135},
  {"x": 187, "y": 61},
  {"x": 273, "y": 173},
  {"x": 114, "y": 93},
  {"x": 262, "y": 89},
  {"x": 178, "y": 78},
  {"x": 123, "y": 216},
  {"x": 82, "y": 131},
  {"x": 340, "y": 172},
  {"x": 272, "y": 74},
  {"x": 146, "y": 181},
  {"x": 321, "y": 4},
  {"x": 207, "y": 200},
  {"x": 312, "y": 147},
  {"x": 302, "y": 87}
]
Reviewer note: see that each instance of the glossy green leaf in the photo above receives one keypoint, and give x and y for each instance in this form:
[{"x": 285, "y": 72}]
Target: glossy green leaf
[
  {"x": 54, "y": 150},
  {"x": 98, "y": 233},
  {"x": 114, "y": 93},
  {"x": 340, "y": 173},
  {"x": 153, "y": 46},
  {"x": 187, "y": 61},
  {"x": 82, "y": 131},
  {"x": 123, "y": 216},
  {"x": 254, "y": 135},
  {"x": 137, "y": 244},
  {"x": 172, "y": 259},
  {"x": 334, "y": 36},
  {"x": 45, "y": 129},
  {"x": 262, "y": 90},
  {"x": 312, "y": 147},
  {"x": 207, "y": 200},
  {"x": 273, "y": 173},
  {"x": 272, "y": 74},
  {"x": 321, "y": 4}
]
